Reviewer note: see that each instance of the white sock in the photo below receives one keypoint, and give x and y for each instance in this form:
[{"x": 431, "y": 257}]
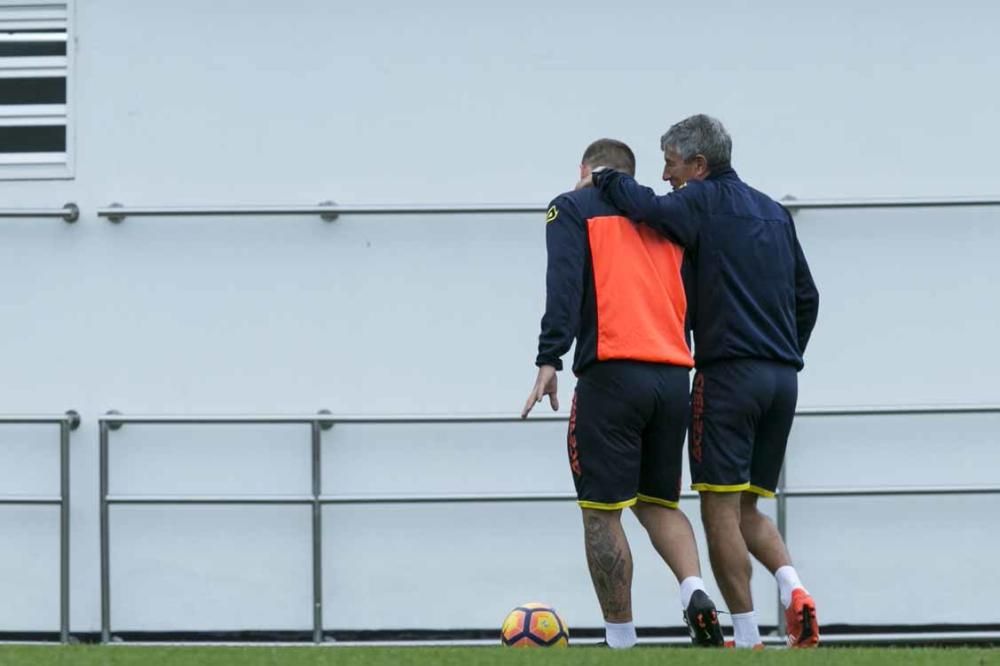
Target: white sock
[
  {"x": 688, "y": 587},
  {"x": 788, "y": 580},
  {"x": 746, "y": 630},
  {"x": 620, "y": 634}
]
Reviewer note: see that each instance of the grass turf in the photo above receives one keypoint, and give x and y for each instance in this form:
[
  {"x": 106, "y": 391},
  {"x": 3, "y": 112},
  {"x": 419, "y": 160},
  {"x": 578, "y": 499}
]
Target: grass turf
[{"x": 11, "y": 655}]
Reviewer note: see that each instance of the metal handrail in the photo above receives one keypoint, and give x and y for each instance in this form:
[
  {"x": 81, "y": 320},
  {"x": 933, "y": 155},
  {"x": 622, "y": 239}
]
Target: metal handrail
[
  {"x": 325, "y": 420},
  {"x": 896, "y": 491},
  {"x": 27, "y": 500},
  {"x": 318, "y": 422},
  {"x": 330, "y": 211},
  {"x": 69, "y": 213},
  {"x": 899, "y": 410},
  {"x": 327, "y": 210},
  {"x": 113, "y": 421},
  {"x": 67, "y": 422},
  {"x": 934, "y": 638},
  {"x": 889, "y": 202},
  {"x": 265, "y": 500}
]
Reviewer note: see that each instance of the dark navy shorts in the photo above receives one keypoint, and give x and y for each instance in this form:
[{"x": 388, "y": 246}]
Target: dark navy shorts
[
  {"x": 626, "y": 434},
  {"x": 741, "y": 414}
]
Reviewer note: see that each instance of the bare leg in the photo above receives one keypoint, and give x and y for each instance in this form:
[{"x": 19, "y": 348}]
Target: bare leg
[
  {"x": 671, "y": 534},
  {"x": 761, "y": 535},
  {"x": 720, "y": 513},
  {"x": 610, "y": 562}
]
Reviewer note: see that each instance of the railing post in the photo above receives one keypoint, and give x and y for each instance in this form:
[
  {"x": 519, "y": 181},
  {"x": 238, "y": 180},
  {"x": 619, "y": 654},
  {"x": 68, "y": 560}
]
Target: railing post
[
  {"x": 105, "y": 537},
  {"x": 64, "y": 533},
  {"x": 317, "y": 530}
]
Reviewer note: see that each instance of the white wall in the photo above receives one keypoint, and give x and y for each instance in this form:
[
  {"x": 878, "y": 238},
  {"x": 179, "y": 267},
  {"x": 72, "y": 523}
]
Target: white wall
[{"x": 259, "y": 102}]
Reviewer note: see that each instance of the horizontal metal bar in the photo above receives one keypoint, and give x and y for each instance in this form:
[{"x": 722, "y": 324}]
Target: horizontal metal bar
[
  {"x": 328, "y": 211},
  {"x": 900, "y": 202},
  {"x": 210, "y": 419},
  {"x": 901, "y": 410},
  {"x": 359, "y": 419},
  {"x": 470, "y": 498},
  {"x": 905, "y": 638},
  {"x": 168, "y": 419},
  {"x": 339, "y": 499},
  {"x": 899, "y": 491},
  {"x": 447, "y": 498},
  {"x": 827, "y": 639},
  {"x": 900, "y": 638},
  {"x": 274, "y": 500},
  {"x": 840, "y": 639},
  {"x": 116, "y": 212},
  {"x": 544, "y": 416},
  {"x": 52, "y": 419},
  {"x": 388, "y": 419},
  {"x": 438, "y": 209},
  {"x": 687, "y": 495},
  {"x": 69, "y": 213},
  {"x": 30, "y": 499}
]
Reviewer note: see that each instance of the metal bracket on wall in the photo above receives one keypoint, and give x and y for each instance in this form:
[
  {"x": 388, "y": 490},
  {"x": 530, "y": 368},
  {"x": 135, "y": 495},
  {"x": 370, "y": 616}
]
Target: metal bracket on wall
[
  {"x": 72, "y": 213},
  {"x": 329, "y": 216},
  {"x": 115, "y": 217},
  {"x": 326, "y": 425},
  {"x": 113, "y": 425}
]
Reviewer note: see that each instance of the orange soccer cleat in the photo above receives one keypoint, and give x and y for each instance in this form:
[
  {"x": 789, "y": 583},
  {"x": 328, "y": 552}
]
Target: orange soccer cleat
[{"x": 800, "y": 620}]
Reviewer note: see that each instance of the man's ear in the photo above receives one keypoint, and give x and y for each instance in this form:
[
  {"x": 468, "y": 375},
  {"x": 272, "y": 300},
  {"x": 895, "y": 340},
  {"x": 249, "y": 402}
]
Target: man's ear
[{"x": 701, "y": 165}]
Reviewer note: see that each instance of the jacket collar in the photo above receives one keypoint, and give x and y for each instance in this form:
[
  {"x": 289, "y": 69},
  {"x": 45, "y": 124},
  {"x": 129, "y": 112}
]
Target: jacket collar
[{"x": 722, "y": 171}]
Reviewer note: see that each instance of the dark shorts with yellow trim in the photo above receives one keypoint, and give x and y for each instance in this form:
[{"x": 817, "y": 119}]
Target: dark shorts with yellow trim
[
  {"x": 741, "y": 414},
  {"x": 626, "y": 434}
]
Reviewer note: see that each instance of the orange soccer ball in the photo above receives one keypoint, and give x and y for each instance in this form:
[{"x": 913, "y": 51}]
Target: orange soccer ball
[{"x": 534, "y": 625}]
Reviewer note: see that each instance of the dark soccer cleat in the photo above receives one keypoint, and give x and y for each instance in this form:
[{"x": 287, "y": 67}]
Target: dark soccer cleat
[
  {"x": 800, "y": 619},
  {"x": 703, "y": 621}
]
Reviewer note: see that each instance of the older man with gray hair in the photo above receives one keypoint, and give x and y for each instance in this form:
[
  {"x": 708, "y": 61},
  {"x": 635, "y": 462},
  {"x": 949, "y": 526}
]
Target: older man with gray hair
[{"x": 754, "y": 307}]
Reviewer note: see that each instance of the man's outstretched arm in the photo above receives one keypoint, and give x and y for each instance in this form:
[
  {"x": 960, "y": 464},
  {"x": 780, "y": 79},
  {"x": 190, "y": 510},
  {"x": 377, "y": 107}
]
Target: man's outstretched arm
[{"x": 672, "y": 215}]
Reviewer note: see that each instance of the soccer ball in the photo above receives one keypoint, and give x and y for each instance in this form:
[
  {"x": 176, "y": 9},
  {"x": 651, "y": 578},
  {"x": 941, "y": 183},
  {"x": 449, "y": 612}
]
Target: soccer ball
[{"x": 534, "y": 625}]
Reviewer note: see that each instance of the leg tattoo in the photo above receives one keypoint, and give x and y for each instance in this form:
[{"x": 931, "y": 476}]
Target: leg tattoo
[{"x": 610, "y": 563}]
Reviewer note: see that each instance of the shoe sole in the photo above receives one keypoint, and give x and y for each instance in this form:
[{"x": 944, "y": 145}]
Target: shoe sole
[
  {"x": 809, "y": 638},
  {"x": 709, "y": 632}
]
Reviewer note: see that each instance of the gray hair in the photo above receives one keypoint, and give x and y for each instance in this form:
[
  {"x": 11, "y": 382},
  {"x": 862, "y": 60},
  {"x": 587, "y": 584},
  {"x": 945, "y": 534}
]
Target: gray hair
[{"x": 702, "y": 135}]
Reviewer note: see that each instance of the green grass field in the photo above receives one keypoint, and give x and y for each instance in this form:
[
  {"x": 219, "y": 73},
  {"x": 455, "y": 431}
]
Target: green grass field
[{"x": 294, "y": 656}]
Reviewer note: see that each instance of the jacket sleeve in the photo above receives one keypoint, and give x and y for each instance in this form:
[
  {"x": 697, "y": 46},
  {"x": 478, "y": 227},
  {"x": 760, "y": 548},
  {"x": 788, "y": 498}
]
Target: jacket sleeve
[
  {"x": 566, "y": 244},
  {"x": 806, "y": 295},
  {"x": 672, "y": 215}
]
